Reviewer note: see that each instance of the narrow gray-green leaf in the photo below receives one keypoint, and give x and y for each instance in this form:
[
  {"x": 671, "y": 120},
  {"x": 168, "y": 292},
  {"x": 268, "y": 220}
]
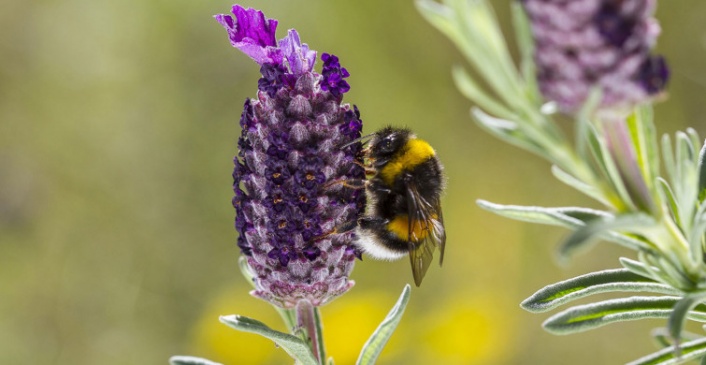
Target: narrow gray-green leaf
[
  {"x": 668, "y": 157},
  {"x": 554, "y": 295},
  {"x": 679, "y": 314},
  {"x": 190, "y": 360},
  {"x": 587, "y": 317},
  {"x": 294, "y": 346},
  {"x": 507, "y": 131},
  {"x": 689, "y": 351},
  {"x": 702, "y": 173},
  {"x": 594, "y": 230},
  {"x": 571, "y": 217},
  {"x": 470, "y": 89},
  {"x": 525, "y": 43},
  {"x": 667, "y": 195},
  {"x": 638, "y": 267},
  {"x": 663, "y": 339},
  {"x": 373, "y": 347},
  {"x": 643, "y": 135},
  {"x": 579, "y": 185}
]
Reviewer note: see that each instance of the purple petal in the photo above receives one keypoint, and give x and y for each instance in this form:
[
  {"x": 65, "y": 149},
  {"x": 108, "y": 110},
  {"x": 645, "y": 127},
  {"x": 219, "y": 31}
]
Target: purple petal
[
  {"x": 300, "y": 58},
  {"x": 252, "y": 34}
]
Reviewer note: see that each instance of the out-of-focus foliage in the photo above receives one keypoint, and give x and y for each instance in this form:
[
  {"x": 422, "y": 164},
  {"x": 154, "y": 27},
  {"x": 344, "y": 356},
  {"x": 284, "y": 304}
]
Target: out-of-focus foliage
[{"x": 118, "y": 123}]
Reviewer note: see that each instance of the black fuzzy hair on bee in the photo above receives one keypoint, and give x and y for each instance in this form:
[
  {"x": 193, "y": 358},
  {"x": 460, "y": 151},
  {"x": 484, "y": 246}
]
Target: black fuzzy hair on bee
[{"x": 403, "y": 213}]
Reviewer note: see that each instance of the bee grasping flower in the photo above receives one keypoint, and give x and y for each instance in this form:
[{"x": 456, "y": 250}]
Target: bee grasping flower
[{"x": 290, "y": 147}]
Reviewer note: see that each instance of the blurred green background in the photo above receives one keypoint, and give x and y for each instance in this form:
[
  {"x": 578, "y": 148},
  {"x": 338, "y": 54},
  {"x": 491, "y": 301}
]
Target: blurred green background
[{"x": 118, "y": 123}]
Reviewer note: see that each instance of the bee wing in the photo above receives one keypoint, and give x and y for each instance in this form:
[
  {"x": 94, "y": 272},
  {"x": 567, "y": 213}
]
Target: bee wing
[
  {"x": 423, "y": 216},
  {"x": 420, "y": 257}
]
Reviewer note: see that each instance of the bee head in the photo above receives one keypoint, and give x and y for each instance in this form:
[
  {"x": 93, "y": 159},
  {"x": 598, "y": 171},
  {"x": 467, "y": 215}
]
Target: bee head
[{"x": 388, "y": 142}]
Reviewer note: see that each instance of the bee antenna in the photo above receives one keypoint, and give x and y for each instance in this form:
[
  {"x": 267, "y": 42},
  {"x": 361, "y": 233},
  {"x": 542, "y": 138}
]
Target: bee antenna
[{"x": 357, "y": 140}]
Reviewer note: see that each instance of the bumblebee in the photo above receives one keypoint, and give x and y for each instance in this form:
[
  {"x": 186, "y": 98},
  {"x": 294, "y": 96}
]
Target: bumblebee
[{"x": 403, "y": 190}]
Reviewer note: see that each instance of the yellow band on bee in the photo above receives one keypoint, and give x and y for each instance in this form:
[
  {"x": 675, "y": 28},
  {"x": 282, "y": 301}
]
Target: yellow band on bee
[
  {"x": 400, "y": 227},
  {"x": 415, "y": 152}
]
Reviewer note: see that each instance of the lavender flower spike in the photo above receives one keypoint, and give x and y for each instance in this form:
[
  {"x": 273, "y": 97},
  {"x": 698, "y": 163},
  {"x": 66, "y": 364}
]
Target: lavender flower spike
[
  {"x": 582, "y": 44},
  {"x": 289, "y": 149}
]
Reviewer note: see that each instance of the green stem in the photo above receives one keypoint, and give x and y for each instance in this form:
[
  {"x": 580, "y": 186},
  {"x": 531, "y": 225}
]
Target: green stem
[
  {"x": 320, "y": 334},
  {"x": 308, "y": 321}
]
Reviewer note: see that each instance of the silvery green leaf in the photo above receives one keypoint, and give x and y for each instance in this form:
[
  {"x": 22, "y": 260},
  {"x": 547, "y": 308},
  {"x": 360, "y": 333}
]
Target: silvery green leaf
[
  {"x": 689, "y": 351},
  {"x": 190, "y": 360},
  {"x": 586, "y": 317},
  {"x": 525, "y": 44},
  {"x": 668, "y": 196},
  {"x": 579, "y": 185},
  {"x": 507, "y": 131},
  {"x": 294, "y": 346},
  {"x": 571, "y": 217},
  {"x": 470, "y": 89},
  {"x": 695, "y": 139},
  {"x": 668, "y": 157},
  {"x": 617, "y": 154},
  {"x": 644, "y": 137},
  {"x": 680, "y": 313},
  {"x": 638, "y": 267},
  {"x": 662, "y": 269},
  {"x": 560, "y": 293},
  {"x": 702, "y": 173},
  {"x": 472, "y": 26},
  {"x": 585, "y": 130},
  {"x": 478, "y": 23},
  {"x": 595, "y": 146},
  {"x": 373, "y": 347},
  {"x": 604, "y": 166},
  {"x": 592, "y": 102},
  {"x": 663, "y": 339},
  {"x": 596, "y": 229}
]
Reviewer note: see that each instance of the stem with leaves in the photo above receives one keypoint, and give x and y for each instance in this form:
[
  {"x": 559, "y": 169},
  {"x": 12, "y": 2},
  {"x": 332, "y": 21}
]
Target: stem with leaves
[{"x": 615, "y": 159}]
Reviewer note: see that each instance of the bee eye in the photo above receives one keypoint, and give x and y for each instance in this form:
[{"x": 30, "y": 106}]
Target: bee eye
[{"x": 387, "y": 144}]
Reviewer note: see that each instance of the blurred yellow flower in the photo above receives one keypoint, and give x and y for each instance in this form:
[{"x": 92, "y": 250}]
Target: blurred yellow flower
[
  {"x": 470, "y": 330},
  {"x": 215, "y": 341},
  {"x": 350, "y": 320},
  {"x": 347, "y": 325}
]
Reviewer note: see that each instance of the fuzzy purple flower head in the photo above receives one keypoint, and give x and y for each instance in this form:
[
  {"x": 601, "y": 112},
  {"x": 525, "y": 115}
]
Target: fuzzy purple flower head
[
  {"x": 582, "y": 44},
  {"x": 290, "y": 148}
]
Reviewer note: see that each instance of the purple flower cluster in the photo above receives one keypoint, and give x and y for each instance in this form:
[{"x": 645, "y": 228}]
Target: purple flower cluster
[
  {"x": 582, "y": 44},
  {"x": 290, "y": 147}
]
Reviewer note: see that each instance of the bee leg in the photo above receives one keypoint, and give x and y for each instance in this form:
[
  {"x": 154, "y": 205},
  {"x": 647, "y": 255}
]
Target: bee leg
[
  {"x": 348, "y": 183},
  {"x": 378, "y": 186},
  {"x": 373, "y": 223},
  {"x": 343, "y": 228},
  {"x": 368, "y": 170}
]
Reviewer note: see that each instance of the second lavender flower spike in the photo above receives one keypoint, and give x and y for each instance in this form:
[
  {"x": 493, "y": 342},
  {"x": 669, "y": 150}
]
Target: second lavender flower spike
[{"x": 582, "y": 44}]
